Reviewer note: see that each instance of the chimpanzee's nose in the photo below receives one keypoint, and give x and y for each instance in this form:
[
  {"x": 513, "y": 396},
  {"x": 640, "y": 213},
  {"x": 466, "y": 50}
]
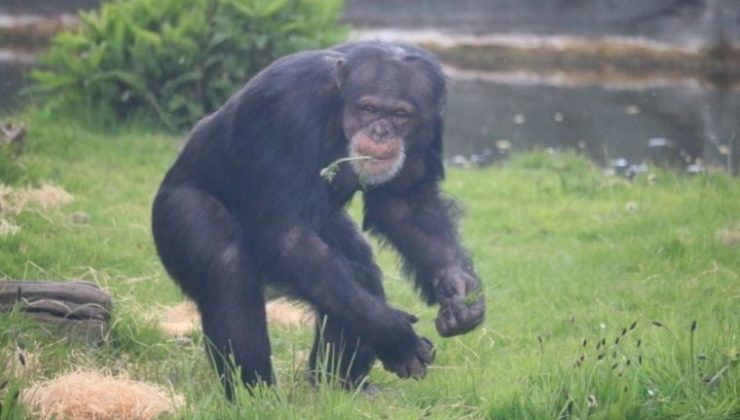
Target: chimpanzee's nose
[{"x": 379, "y": 131}]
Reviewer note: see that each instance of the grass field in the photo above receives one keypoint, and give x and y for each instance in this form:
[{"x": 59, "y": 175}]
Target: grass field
[{"x": 572, "y": 260}]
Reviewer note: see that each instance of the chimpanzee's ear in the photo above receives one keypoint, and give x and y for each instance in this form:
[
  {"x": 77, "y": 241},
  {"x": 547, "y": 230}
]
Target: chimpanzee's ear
[{"x": 339, "y": 71}]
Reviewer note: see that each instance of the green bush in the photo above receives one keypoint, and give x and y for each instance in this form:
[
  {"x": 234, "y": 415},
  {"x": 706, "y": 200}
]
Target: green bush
[{"x": 176, "y": 60}]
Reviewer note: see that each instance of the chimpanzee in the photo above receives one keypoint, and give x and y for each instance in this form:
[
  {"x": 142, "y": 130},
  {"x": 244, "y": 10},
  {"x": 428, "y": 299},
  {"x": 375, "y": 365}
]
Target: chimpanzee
[{"x": 257, "y": 197}]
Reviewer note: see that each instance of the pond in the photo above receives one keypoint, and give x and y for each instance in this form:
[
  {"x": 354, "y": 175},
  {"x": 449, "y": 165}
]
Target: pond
[
  {"x": 689, "y": 123},
  {"x": 13, "y": 68},
  {"x": 685, "y": 124}
]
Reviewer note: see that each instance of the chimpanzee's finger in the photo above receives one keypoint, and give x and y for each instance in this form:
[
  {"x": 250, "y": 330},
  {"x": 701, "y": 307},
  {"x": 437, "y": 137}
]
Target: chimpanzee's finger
[
  {"x": 427, "y": 352},
  {"x": 417, "y": 369},
  {"x": 402, "y": 370},
  {"x": 413, "y": 319}
]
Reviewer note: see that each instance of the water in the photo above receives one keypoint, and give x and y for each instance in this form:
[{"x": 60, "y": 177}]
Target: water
[
  {"x": 13, "y": 68},
  {"x": 683, "y": 124}
]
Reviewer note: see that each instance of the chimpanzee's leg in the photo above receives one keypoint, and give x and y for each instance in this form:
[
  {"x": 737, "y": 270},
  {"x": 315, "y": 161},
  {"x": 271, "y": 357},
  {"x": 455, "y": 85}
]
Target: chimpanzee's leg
[
  {"x": 203, "y": 248},
  {"x": 336, "y": 349}
]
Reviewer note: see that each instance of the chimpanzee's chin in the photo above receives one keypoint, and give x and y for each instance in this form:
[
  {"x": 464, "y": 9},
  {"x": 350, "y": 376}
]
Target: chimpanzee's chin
[{"x": 378, "y": 171}]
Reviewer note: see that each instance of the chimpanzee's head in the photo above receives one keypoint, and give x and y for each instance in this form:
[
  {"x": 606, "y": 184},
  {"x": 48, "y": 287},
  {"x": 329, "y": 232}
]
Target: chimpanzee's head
[{"x": 392, "y": 97}]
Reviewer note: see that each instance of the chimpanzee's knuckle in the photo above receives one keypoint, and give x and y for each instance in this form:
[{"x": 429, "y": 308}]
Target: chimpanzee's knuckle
[
  {"x": 403, "y": 372},
  {"x": 418, "y": 371},
  {"x": 427, "y": 355}
]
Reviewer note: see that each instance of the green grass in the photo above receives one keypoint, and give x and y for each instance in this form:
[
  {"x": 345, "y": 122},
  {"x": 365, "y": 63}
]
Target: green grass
[{"x": 568, "y": 255}]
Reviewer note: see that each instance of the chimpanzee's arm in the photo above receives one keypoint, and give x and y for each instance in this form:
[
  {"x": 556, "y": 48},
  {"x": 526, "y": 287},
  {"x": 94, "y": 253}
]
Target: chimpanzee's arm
[
  {"x": 300, "y": 258},
  {"x": 420, "y": 224}
]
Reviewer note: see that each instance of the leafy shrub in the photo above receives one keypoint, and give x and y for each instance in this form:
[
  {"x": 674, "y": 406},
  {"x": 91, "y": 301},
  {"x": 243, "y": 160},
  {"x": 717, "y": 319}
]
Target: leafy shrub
[{"x": 176, "y": 60}]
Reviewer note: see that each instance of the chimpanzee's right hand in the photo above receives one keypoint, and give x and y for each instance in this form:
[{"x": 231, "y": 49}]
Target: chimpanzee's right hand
[
  {"x": 409, "y": 356},
  {"x": 414, "y": 365}
]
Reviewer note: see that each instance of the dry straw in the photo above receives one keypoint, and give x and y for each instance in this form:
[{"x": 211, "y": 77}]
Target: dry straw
[
  {"x": 92, "y": 395},
  {"x": 183, "y": 319},
  {"x": 16, "y": 200},
  {"x": 46, "y": 196},
  {"x": 22, "y": 364},
  {"x": 179, "y": 320},
  {"x": 286, "y": 314},
  {"x": 730, "y": 236}
]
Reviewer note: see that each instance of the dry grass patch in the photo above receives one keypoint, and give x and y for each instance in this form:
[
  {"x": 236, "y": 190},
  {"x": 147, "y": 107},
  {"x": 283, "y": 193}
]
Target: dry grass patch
[
  {"x": 730, "y": 236},
  {"x": 183, "y": 319},
  {"x": 7, "y": 228},
  {"x": 46, "y": 196},
  {"x": 286, "y": 313},
  {"x": 15, "y": 200},
  {"x": 94, "y": 395},
  {"x": 179, "y": 320},
  {"x": 19, "y": 363}
]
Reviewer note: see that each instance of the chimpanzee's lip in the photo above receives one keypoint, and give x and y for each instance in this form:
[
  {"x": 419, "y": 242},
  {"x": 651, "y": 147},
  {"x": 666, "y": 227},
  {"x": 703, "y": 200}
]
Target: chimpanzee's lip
[
  {"x": 383, "y": 158},
  {"x": 377, "y": 168},
  {"x": 387, "y": 150},
  {"x": 370, "y": 158},
  {"x": 377, "y": 162}
]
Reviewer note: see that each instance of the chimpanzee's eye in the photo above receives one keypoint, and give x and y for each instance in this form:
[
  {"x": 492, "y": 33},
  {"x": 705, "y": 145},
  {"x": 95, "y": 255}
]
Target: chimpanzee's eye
[
  {"x": 401, "y": 115},
  {"x": 371, "y": 109}
]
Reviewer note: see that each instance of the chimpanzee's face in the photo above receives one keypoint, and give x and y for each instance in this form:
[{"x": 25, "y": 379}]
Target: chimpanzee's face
[
  {"x": 378, "y": 127},
  {"x": 391, "y": 101}
]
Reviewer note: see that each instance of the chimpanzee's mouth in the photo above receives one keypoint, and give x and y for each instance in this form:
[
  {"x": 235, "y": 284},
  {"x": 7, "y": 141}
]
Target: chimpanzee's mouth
[
  {"x": 378, "y": 155},
  {"x": 388, "y": 158},
  {"x": 379, "y": 169},
  {"x": 376, "y": 162}
]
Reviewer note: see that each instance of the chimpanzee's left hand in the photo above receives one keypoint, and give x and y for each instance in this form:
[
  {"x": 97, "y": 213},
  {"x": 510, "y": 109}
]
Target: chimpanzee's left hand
[{"x": 461, "y": 300}]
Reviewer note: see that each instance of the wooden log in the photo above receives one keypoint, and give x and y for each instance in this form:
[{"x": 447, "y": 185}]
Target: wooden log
[
  {"x": 78, "y": 292},
  {"x": 90, "y": 330},
  {"x": 75, "y": 306}
]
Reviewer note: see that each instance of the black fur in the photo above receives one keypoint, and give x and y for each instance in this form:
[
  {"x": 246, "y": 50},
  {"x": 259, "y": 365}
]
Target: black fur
[{"x": 244, "y": 206}]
